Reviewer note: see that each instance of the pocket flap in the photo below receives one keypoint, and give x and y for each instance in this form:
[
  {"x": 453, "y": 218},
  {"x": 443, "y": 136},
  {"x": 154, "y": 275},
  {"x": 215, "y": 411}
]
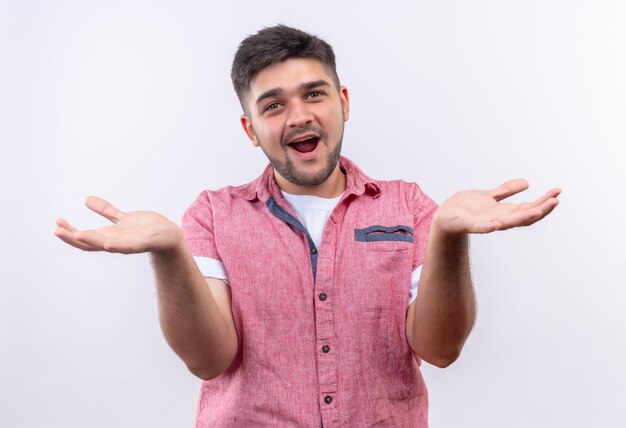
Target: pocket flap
[{"x": 384, "y": 233}]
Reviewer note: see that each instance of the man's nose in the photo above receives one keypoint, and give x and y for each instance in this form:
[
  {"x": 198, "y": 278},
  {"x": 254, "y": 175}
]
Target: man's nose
[{"x": 299, "y": 115}]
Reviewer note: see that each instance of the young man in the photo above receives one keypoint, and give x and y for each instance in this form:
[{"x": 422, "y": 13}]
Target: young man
[{"x": 310, "y": 295}]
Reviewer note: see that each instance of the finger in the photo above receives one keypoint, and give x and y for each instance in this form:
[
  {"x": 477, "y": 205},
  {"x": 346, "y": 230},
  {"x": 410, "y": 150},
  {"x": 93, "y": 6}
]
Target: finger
[
  {"x": 484, "y": 226},
  {"x": 552, "y": 193},
  {"x": 91, "y": 238},
  {"x": 68, "y": 237},
  {"x": 520, "y": 218},
  {"x": 65, "y": 225},
  {"x": 105, "y": 239},
  {"x": 104, "y": 208},
  {"x": 547, "y": 207},
  {"x": 509, "y": 188}
]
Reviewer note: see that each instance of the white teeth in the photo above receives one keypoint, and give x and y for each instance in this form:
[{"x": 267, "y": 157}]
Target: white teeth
[{"x": 303, "y": 139}]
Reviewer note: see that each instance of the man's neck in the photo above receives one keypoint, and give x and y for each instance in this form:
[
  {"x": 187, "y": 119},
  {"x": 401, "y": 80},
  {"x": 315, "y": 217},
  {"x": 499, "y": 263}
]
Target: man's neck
[{"x": 332, "y": 187}]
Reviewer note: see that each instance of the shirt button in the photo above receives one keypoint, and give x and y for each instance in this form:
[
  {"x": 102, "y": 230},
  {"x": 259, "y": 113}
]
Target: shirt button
[
  {"x": 313, "y": 250},
  {"x": 323, "y": 296},
  {"x": 325, "y": 349},
  {"x": 328, "y": 399}
]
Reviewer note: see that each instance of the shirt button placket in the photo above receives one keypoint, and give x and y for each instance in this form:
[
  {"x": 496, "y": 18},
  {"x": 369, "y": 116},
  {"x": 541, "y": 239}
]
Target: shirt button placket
[{"x": 325, "y": 326}]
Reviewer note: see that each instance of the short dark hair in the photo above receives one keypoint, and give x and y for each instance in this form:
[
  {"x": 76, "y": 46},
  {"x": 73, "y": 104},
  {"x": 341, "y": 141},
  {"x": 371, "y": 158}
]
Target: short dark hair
[{"x": 273, "y": 45}]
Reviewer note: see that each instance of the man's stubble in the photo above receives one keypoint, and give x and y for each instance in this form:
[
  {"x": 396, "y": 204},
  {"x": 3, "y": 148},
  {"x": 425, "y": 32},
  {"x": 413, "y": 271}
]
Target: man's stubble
[{"x": 287, "y": 169}]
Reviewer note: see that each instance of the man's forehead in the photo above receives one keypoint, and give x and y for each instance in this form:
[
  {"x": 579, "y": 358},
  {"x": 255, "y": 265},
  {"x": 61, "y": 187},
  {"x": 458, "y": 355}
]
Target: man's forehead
[{"x": 288, "y": 75}]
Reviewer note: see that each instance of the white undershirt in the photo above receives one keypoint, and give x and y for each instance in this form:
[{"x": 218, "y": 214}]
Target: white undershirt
[{"x": 313, "y": 212}]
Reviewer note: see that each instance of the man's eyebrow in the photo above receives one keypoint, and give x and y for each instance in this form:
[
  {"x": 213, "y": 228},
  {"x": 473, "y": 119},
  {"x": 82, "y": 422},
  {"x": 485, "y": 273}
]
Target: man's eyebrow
[
  {"x": 303, "y": 87},
  {"x": 268, "y": 94},
  {"x": 315, "y": 84}
]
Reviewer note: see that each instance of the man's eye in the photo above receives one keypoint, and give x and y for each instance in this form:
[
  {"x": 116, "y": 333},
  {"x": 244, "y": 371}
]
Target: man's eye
[
  {"x": 272, "y": 106},
  {"x": 315, "y": 94}
]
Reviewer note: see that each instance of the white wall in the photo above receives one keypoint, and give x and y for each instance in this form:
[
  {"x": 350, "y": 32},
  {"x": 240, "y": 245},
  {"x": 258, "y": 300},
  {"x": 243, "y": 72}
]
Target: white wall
[{"x": 131, "y": 100}]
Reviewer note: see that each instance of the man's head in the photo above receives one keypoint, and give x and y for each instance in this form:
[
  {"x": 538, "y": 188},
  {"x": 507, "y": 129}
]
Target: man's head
[
  {"x": 294, "y": 108},
  {"x": 275, "y": 45}
]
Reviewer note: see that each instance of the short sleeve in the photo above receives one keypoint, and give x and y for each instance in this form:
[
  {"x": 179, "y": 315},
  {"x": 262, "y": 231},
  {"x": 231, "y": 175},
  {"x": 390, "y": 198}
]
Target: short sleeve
[
  {"x": 197, "y": 227},
  {"x": 423, "y": 210}
]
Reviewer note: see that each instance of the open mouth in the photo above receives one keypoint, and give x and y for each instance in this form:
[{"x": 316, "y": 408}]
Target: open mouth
[{"x": 305, "y": 145}]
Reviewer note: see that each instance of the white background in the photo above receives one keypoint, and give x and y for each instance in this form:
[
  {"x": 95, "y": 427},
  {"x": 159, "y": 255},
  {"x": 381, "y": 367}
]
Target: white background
[{"x": 131, "y": 100}]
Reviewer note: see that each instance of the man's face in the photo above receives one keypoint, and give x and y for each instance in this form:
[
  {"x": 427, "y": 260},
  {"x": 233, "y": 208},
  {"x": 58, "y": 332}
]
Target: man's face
[{"x": 296, "y": 114}]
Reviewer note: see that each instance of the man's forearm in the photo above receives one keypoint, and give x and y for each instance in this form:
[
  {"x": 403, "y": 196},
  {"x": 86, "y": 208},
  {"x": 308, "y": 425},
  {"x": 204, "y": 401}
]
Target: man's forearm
[
  {"x": 443, "y": 314},
  {"x": 190, "y": 317}
]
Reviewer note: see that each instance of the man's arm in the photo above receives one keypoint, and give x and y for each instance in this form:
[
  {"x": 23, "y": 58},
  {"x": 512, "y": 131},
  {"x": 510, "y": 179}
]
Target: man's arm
[
  {"x": 441, "y": 317},
  {"x": 443, "y": 314},
  {"x": 194, "y": 312}
]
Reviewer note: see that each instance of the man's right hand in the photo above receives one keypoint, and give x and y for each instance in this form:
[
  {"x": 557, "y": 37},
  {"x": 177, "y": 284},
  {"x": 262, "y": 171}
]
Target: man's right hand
[
  {"x": 133, "y": 232},
  {"x": 195, "y": 312}
]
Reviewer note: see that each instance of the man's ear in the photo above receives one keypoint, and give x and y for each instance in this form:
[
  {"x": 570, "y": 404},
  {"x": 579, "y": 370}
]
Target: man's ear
[
  {"x": 345, "y": 102},
  {"x": 246, "y": 124}
]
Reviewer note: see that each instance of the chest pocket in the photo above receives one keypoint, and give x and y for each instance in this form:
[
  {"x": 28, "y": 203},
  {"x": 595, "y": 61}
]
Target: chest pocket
[{"x": 381, "y": 278}]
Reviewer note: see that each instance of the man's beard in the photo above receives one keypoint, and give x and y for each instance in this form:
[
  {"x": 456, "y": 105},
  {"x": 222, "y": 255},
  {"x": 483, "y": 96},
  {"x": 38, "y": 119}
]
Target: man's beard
[{"x": 291, "y": 174}]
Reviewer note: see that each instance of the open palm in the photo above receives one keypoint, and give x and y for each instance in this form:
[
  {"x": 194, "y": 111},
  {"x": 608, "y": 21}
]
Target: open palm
[
  {"x": 480, "y": 211},
  {"x": 133, "y": 232}
]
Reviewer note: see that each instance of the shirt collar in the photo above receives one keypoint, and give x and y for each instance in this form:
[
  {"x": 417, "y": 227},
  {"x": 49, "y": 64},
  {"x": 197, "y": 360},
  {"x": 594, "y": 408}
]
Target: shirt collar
[{"x": 357, "y": 183}]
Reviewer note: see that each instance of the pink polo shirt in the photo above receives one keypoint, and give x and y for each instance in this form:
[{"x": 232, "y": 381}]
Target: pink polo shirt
[{"x": 321, "y": 331}]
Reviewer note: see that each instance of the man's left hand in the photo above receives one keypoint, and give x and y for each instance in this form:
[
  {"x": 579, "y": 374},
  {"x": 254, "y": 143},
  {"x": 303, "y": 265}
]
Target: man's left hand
[{"x": 481, "y": 211}]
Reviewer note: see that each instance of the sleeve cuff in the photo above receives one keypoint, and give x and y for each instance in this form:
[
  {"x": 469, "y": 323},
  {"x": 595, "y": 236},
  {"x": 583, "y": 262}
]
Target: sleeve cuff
[
  {"x": 211, "y": 268},
  {"x": 415, "y": 279}
]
